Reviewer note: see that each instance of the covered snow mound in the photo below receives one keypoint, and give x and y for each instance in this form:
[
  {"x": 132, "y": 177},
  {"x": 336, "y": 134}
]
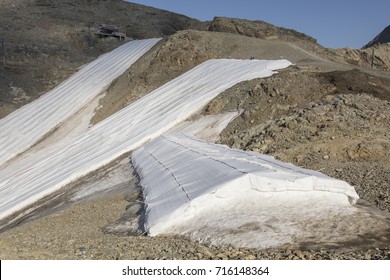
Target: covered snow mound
[
  {"x": 183, "y": 178},
  {"x": 24, "y": 127},
  {"x": 125, "y": 131}
]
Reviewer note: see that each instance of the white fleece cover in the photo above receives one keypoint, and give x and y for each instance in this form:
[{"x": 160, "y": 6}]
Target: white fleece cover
[
  {"x": 24, "y": 127},
  {"x": 23, "y": 184},
  {"x": 190, "y": 186}
]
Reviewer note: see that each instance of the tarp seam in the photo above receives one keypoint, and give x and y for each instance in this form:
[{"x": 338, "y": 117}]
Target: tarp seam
[{"x": 166, "y": 168}]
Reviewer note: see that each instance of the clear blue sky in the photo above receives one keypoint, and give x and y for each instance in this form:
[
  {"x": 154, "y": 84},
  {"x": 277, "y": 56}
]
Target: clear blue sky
[{"x": 334, "y": 23}]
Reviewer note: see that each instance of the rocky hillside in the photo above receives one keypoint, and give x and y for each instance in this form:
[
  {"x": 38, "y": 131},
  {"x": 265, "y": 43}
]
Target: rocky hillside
[
  {"x": 262, "y": 30},
  {"x": 375, "y": 54},
  {"x": 258, "y": 29},
  {"x": 364, "y": 58},
  {"x": 266, "y": 31},
  {"x": 183, "y": 51},
  {"x": 381, "y": 38},
  {"x": 45, "y": 41},
  {"x": 320, "y": 113}
]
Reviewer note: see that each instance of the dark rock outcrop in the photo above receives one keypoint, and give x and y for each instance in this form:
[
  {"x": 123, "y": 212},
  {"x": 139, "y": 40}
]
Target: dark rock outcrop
[
  {"x": 381, "y": 38},
  {"x": 257, "y": 28}
]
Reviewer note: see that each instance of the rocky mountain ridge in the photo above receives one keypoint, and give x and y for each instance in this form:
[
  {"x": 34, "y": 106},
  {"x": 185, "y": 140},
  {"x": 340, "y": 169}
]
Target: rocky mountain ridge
[{"x": 381, "y": 38}]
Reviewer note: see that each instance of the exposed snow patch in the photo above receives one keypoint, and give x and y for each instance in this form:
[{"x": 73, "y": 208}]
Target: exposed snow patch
[
  {"x": 207, "y": 128},
  {"x": 113, "y": 180}
]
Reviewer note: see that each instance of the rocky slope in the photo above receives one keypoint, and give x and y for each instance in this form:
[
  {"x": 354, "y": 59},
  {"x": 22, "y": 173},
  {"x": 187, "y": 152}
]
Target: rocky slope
[
  {"x": 184, "y": 50},
  {"x": 263, "y": 30},
  {"x": 320, "y": 114},
  {"x": 364, "y": 57},
  {"x": 45, "y": 41},
  {"x": 335, "y": 122},
  {"x": 375, "y": 54},
  {"x": 381, "y": 38},
  {"x": 257, "y": 29}
]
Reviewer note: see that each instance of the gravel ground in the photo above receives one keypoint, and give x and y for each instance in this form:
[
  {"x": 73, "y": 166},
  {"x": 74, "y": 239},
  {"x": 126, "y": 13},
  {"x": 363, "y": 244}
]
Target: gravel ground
[{"x": 76, "y": 233}]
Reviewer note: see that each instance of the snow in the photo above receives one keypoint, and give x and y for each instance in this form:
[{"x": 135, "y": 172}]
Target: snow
[
  {"x": 207, "y": 191},
  {"x": 130, "y": 128},
  {"x": 208, "y": 127},
  {"x": 23, "y": 128}
]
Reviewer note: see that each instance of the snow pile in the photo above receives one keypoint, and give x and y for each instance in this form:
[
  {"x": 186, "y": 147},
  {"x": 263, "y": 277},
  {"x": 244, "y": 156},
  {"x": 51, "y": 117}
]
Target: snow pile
[
  {"x": 24, "y": 127},
  {"x": 124, "y": 131},
  {"x": 190, "y": 185}
]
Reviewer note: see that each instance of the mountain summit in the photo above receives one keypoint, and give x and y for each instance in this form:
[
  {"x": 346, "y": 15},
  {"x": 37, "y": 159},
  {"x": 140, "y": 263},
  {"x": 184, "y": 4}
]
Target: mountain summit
[{"x": 381, "y": 38}]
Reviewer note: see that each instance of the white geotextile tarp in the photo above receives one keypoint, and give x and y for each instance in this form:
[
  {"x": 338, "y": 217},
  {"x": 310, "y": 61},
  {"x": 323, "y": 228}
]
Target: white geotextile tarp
[
  {"x": 181, "y": 175},
  {"x": 24, "y": 127},
  {"x": 125, "y": 131}
]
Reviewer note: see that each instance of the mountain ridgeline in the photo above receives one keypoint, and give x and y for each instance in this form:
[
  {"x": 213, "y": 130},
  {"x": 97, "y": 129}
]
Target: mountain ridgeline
[{"x": 381, "y": 38}]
